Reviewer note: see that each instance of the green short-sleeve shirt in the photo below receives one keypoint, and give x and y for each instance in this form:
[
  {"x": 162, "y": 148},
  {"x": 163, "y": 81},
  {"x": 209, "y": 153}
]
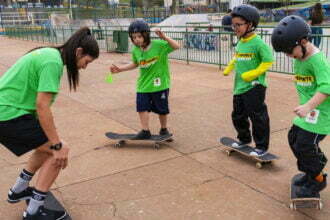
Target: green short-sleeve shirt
[
  {"x": 153, "y": 64},
  {"x": 249, "y": 55},
  {"x": 38, "y": 71},
  {"x": 311, "y": 76}
]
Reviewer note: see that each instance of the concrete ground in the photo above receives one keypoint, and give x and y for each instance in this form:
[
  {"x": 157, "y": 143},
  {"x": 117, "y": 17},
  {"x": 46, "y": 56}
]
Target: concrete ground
[{"x": 191, "y": 178}]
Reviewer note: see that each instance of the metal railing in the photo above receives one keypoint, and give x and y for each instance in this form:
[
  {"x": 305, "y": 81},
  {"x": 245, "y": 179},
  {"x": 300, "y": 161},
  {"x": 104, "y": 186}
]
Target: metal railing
[{"x": 198, "y": 44}]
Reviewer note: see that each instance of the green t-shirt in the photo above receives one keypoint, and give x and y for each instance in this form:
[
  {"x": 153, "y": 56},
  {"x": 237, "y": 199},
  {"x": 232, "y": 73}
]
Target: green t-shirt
[
  {"x": 311, "y": 76},
  {"x": 153, "y": 64},
  {"x": 38, "y": 71},
  {"x": 249, "y": 55}
]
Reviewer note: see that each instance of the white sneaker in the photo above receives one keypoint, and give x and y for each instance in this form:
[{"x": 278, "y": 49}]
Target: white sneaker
[
  {"x": 238, "y": 145},
  {"x": 258, "y": 153}
]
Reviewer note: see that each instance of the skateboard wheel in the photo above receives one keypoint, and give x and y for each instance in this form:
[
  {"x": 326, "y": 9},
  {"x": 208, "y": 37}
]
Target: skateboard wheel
[
  {"x": 157, "y": 146},
  {"x": 320, "y": 206},
  {"x": 259, "y": 165},
  {"x": 293, "y": 206},
  {"x": 170, "y": 140},
  {"x": 228, "y": 152},
  {"x": 117, "y": 145}
]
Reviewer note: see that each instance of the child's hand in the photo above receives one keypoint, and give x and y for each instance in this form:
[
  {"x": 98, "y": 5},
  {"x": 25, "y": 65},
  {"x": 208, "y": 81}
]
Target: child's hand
[
  {"x": 160, "y": 34},
  {"x": 302, "y": 110},
  {"x": 114, "y": 69}
]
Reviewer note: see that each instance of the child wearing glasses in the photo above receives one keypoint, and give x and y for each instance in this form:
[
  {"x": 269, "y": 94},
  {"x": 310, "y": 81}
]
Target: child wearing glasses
[
  {"x": 312, "y": 80},
  {"x": 253, "y": 57}
]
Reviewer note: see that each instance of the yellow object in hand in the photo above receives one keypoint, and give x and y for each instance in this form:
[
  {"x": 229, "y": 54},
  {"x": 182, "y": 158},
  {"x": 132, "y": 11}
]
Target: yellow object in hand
[{"x": 109, "y": 78}]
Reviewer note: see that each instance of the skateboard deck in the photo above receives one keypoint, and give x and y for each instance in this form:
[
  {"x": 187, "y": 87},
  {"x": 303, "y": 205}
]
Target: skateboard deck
[
  {"x": 260, "y": 161},
  {"x": 52, "y": 203},
  {"x": 298, "y": 202},
  {"x": 123, "y": 138}
]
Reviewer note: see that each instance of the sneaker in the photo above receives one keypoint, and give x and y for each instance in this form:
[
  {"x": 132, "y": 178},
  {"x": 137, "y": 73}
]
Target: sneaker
[
  {"x": 301, "y": 180},
  {"x": 163, "y": 132},
  {"x": 258, "y": 152},
  {"x": 311, "y": 188},
  {"x": 142, "y": 135},
  {"x": 16, "y": 197},
  {"x": 239, "y": 144},
  {"x": 45, "y": 214}
]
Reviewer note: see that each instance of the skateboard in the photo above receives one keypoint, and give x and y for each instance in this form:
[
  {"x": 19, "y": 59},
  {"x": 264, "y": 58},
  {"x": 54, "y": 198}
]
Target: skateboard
[
  {"x": 260, "y": 161},
  {"x": 124, "y": 138},
  {"x": 52, "y": 203},
  {"x": 298, "y": 202}
]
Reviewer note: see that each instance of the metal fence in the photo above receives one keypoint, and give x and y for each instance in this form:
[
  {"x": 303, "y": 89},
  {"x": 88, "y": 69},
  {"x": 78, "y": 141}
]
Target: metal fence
[{"x": 210, "y": 45}]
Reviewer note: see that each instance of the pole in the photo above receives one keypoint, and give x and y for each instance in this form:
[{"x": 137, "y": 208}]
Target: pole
[{"x": 70, "y": 9}]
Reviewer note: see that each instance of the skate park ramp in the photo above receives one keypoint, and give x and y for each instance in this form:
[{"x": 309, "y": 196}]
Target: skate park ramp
[{"x": 172, "y": 23}]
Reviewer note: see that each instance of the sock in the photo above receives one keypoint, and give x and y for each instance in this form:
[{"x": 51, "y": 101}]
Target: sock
[
  {"x": 319, "y": 178},
  {"x": 22, "y": 181},
  {"x": 37, "y": 200}
]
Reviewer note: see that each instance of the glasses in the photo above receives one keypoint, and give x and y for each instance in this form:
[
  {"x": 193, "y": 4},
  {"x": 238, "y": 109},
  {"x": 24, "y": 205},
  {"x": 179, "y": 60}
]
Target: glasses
[{"x": 237, "y": 25}]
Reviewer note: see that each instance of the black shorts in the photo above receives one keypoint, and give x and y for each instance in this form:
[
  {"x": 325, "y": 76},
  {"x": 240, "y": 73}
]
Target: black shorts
[
  {"x": 23, "y": 134},
  {"x": 154, "y": 101}
]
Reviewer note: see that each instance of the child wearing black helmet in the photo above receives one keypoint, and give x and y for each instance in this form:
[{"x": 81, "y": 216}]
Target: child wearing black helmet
[
  {"x": 312, "y": 80},
  {"x": 151, "y": 56},
  {"x": 253, "y": 57}
]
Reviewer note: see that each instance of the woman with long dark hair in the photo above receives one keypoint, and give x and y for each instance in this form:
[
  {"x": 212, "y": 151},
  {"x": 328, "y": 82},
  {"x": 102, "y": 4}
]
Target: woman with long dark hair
[
  {"x": 316, "y": 19},
  {"x": 27, "y": 91}
]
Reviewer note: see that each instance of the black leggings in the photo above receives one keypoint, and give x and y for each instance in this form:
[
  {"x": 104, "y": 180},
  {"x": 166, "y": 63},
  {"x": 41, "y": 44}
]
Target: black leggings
[{"x": 305, "y": 147}]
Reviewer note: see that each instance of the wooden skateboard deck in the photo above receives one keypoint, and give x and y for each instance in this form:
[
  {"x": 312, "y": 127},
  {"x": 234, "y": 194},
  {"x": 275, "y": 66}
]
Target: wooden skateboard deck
[
  {"x": 123, "y": 138},
  {"x": 246, "y": 150},
  {"x": 298, "y": 202}
]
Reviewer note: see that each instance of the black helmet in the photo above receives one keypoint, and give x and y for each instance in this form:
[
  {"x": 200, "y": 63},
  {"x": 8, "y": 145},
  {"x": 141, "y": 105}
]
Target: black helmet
[
  {"x": 289, "y": 32},
  {"x": 248, "y": 12},
  {"x": 138, "y": 26}
]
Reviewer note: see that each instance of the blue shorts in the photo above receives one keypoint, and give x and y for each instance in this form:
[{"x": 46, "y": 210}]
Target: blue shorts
[{"x": 156, "y": 102}]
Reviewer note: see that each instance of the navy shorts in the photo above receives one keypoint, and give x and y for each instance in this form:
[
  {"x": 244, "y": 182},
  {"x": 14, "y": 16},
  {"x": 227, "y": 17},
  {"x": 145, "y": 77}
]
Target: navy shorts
[
  {"x": 156, "y": 102},
  {"x": 22, "y": 134}
]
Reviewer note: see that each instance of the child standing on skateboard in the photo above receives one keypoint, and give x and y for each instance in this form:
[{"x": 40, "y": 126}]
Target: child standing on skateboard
[
  {"x": 151, "y": 56},
  {"x": 312, "y": 80},
  {"x": 252, "y": 59}
]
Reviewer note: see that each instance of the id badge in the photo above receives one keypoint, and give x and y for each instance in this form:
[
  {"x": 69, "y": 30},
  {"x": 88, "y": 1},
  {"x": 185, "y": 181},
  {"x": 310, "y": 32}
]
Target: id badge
[
  {"x": 313, "y": 116},
  {"x": 157, "y": 82}
]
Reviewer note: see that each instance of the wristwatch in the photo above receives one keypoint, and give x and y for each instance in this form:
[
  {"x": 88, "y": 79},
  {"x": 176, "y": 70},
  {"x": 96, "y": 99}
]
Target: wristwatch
[{"x": 57, "y": 146}]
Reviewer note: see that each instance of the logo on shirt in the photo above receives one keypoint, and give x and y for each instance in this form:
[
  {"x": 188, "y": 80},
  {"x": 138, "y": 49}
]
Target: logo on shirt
[
  {"x": 244, "y": 56},
  {"x": 148, "y": 62},
  {"x": 302, "y": 80}
]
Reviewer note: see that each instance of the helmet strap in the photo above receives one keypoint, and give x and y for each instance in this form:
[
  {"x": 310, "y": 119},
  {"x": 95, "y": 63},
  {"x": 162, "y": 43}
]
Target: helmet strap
[{"x": 248, "y": 31}]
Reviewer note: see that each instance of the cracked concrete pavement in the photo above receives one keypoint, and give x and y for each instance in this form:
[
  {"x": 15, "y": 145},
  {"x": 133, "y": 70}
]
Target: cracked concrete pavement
[{"x": 191, "y": 178}]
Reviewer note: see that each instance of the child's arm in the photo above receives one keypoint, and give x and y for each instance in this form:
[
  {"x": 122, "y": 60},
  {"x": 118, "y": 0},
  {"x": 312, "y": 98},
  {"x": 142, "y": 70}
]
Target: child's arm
[
  {"x": 118, "y": 69},
  {"x": 230, "y": 67},
  {"x": 253, "y": 74},
  {"x": 174, "y": 44},
  {"x": 316, "y": 100}
]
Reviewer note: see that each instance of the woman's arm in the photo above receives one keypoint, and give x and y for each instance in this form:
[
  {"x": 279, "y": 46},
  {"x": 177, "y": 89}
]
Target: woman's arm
[{"x": 46, "y": 117}]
